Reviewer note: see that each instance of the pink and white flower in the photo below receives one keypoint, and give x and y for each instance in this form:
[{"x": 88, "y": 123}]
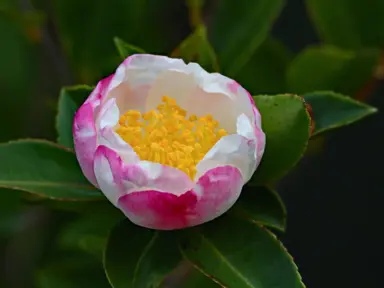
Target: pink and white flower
[{"x": 150, "y": 193}]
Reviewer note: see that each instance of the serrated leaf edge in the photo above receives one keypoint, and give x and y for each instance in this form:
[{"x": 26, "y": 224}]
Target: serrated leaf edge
[
  {"x": 370, "y": 110},
  {"x": 284, "y": 172}
]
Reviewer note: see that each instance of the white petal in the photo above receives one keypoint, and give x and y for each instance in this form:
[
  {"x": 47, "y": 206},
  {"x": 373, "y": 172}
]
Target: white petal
[
  {"x": 109, "y": 138},
  {"x": 128, "y": 97},
  {"x": 164, "y": 178},
  {"x": 106, "y": 123},
  {"x": 105, "y": 179},
  {"x": 142, "y": 69},
  {"x": 244, "y": 127},
  {"x": 109, "y": 115},
  {"x": 233, "y": 150},
  {"x": 193, "y": 98},
  {"x": 217, "y": 83}
]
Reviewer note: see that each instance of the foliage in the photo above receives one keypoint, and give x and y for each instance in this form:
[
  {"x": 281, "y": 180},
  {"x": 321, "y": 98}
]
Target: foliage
[{"x": 299, "y": 96}]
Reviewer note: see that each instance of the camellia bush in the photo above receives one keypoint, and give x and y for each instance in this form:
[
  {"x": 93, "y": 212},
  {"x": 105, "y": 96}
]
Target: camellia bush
[{"x": 168, "y": 165}]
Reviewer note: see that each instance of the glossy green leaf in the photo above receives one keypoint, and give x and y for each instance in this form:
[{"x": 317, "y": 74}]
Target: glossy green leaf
[
  {"x": 87, "y": 29},
  {"x": 196, "y": 48},
  {"x": 265, "y": 72},
  {"x": 238, "y": 29},
  {"x": 348, "y": 23},
  {"x": 332, "y": 110},
  {"x": 249, "y": 256},
  {"x": 126, "y": 49},
  {"x": 44, "y": 169},
  {"x": 286, "y": 123},
  {"x": 139, "y": 257},
  {"x": 187, "y": 276},
  {"x": 195, "y": 279},
  {"x": 71, "y": 98},
  {"x": 89, "y": 233},
  {"x": 72, "y": 271},
  {"x": 262, "y": 205},
  {"x": 330, "y": 68}
]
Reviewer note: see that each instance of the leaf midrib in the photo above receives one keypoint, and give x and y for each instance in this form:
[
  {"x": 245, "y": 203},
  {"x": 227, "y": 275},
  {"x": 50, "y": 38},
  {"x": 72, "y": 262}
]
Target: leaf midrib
[
  {"x": 226, "y": 261},
  {"x": 13, "y": 183},
  {"x": 146, "y": 250}
]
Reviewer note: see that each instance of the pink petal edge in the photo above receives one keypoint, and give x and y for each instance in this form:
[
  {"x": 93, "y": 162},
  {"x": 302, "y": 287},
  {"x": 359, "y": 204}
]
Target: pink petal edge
[
  {"x": 84, "y": 129},
  {"x": 234, "y": 87},
  {"x": 214, "y": 193}
]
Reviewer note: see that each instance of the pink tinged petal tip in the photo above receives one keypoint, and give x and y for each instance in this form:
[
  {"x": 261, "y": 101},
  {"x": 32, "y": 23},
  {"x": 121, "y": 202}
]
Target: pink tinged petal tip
[
  {"x": 84, "y": 129},
  {"x": 84, "y": 135},
  {"x": 101, "y": 90},
  {"x": 116, "y": 177},
  {"x": 214, "y": 193},
  {"x": 259, "y": 135}
]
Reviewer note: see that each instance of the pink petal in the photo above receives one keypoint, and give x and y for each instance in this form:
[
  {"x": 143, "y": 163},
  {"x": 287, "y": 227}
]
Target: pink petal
[
  {"x": 84, "y": 129},
  {"x": 101, "y": 91},
  {"x": 231, "y": 150},
  {"x": 84, "y": 135},
  {"x": 214, "y": 194},
  {"x": 258, "y": 132},
  {"x": 116, "y": 177}
]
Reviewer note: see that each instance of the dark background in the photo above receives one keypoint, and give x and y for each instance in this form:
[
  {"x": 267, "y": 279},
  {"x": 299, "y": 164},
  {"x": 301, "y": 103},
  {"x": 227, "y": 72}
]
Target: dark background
[{"x": 334, "y": 199}]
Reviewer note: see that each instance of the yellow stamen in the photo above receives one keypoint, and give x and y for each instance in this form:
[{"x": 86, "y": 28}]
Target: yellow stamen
[{"x": 167, "y": 136}]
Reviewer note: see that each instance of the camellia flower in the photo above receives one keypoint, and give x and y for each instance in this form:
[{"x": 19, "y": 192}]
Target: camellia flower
[{"x": 169, "y": 144}]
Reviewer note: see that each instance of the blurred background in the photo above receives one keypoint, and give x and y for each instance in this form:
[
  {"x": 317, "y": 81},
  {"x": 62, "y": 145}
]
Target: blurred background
[{"x": 333, "y": 197}]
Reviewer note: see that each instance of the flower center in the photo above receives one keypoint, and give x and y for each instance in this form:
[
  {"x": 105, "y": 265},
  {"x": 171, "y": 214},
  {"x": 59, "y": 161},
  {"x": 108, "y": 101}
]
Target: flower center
[{"x": 167, "y": 136}]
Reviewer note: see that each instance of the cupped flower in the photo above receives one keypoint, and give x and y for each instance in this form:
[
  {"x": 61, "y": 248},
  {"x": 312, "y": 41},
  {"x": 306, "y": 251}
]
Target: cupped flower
[{"x": 169, "y": 144}]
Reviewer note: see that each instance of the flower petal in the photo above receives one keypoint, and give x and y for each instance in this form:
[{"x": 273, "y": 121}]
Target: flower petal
[
  {"x": 117, "y": 178},
  {"x": 100, "y": 92},
  {"x": 84, "y": 136},
  {"x": 84, "y": 129},
  {"x": 214, "y": 193},
  {"x": 142, "y": 69},
  {"x": 128, "y": 97},
  {"x": 105, "y": 124},
  {"x": 190, "y": 95},
  {"x": 248, "y": 99},
  {"x": 109, "y": 138},
  {"x": 217, "y": 83},
  {"x": 234, "y": 150}
]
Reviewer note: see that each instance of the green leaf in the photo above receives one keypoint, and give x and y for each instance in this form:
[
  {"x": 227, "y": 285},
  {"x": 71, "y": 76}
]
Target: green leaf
[
  {"x": 286, "y": 123},
  {"x": 71, "y": 98},
  {"x": 348, "y": 23},
  {"x": 196, "y": 48},
  {"x": 88, "y": 41},
  {"x": 72, "y": 271},
  {"x": 238, "y": 29},
  {"x": 330, "y": 68},
  {"x": 186, "y": 276},
  {"x": 265, "y": 71},
  {"x": 249, "y": 256},
  {"x": 126, "y": 49},
  {"x": 332, "y": 110},
  {"x": 139, "y": 257},
  {"x": 195, "y": 279},
  {"x": 45, "y": 169},
  {"x": 89, "y": 233},
  {"x": 262, "y": 205}
]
